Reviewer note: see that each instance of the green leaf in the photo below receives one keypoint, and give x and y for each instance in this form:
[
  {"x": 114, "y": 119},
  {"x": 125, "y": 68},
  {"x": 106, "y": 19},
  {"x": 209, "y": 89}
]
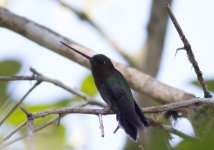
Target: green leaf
[
  {"x": 52, "y": 137},
  {"x": 14, "y": 120},
  {"x": 7, "y": 68},
  {"x": 67, "y": 102},
  {"x": 18, "y": 116},
  {"x": 88, "y": 86},
  {"x": 210, "y": 84},
  {"x": 205, "y": 142}
]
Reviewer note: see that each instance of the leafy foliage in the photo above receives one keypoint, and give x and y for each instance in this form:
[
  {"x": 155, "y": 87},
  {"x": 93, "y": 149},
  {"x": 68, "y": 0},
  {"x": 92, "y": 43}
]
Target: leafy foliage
[
  {"x": 88, "y": 86},
  {"x": 205, "y": 143},
  {"x": 55, "y": 135},
  {"x": 52, "y": 137},
  {"x": 210, "y": 84},
  {"x": 7, "y": 68}
]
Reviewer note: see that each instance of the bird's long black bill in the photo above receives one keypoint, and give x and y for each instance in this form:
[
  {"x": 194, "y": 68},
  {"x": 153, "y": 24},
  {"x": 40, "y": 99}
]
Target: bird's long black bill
[{"x": 86, "y": 56}]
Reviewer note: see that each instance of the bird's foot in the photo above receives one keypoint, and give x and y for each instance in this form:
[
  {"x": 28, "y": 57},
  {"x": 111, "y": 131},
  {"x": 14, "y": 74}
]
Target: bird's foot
[
  {"x": 117, "y": 128},
  {"x": 107, "y": 109}
]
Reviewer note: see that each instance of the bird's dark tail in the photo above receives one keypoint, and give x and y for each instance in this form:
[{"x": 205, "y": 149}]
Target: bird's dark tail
[
  {"x": 128, "y": 127},
  {"x": 142, "y": 117},
  {"x": 132, "y": 128}
]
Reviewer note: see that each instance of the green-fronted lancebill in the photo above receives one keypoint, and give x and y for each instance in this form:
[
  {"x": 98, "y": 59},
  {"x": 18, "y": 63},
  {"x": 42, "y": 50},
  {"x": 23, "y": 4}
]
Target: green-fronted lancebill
[{"x": 115, "y": 91}]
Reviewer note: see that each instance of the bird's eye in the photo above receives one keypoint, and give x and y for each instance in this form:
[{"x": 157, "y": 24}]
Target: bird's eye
[
  {"x": 100, "y": 59},
  {"x": 102, "y": 62}
]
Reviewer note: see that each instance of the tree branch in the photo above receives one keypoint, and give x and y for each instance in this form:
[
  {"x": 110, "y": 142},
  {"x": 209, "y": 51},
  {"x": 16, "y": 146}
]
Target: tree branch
[
  {"x": 179, "y": 133},
  {"x": 14, "y": 131},
  {"x": 153, "y": 109},
  {"x": 190, "y": 53},
  {"x": 23, "y": 136},
  {"x": 30, "y": 129},
  {"x": 45, "y": 37},
  {"x": 156, "y": 31},
  {"x": 170, "y": 129},
  {"x": 42, "y": 78},
  {"x": 101, "y": 124},
  {"x": 19, "y": 102},
  {"x": 85, "y": 17},
  {"x": 178, "y": 105}
]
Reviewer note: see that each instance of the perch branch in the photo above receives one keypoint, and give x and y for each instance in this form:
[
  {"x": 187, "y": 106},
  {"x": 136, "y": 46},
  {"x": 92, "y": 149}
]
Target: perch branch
[{"x": 153, "y": 109}]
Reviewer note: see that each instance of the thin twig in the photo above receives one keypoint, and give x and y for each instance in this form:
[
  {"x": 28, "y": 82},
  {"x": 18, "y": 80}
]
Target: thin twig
[
  {"x": 30, "y": 128},
  {"x": 40, "y": 77},
  {"x": 23, "y": 136},
  {"x": 117, "y": 128},
  {"x": 179, "y": 133},
  {"x": 14, "y": 131},
  {"x": 60, "y": 84},
  {"x": 170, "y": 129},
  {"x": 85, "y": 17},
  {"x": 19, "y": 102},
  {"x": 101, "y": 125},
  {"x": 59, "y": 119},
  {"x": 60, "y": 116},
  {"x": 190, "y": 53},
  {"x": 28, "y": 114}
]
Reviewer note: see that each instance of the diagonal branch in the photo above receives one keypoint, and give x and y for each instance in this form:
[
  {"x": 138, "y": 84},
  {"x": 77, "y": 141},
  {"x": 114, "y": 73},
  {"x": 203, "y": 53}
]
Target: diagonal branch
[
  {"x": 42, "y": 78},
  {"x": 43, "y": 36},
  {"x": 30, "y": 129},
  {"x": 14, "y": 131},
  {"x": 85, "y": 17},
  {"x": 19, "y": 102},
  {"x": 190, "y": 53},
  {"x": 23, "y": 136},
  {"x": 172, "y": 130}
]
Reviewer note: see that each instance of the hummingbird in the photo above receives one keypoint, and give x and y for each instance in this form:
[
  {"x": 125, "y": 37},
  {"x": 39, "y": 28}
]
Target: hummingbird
[{"x": 115, "y": 91}]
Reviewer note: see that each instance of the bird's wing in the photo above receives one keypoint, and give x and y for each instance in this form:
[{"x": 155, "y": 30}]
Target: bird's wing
[
  {"x": 119, "y": 97},
  {"x": 123, "y": 103}
]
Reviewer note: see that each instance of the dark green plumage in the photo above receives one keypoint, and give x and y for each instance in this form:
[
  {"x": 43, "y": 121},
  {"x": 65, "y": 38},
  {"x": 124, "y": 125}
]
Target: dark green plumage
[{"x": 115, "y": 91}]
